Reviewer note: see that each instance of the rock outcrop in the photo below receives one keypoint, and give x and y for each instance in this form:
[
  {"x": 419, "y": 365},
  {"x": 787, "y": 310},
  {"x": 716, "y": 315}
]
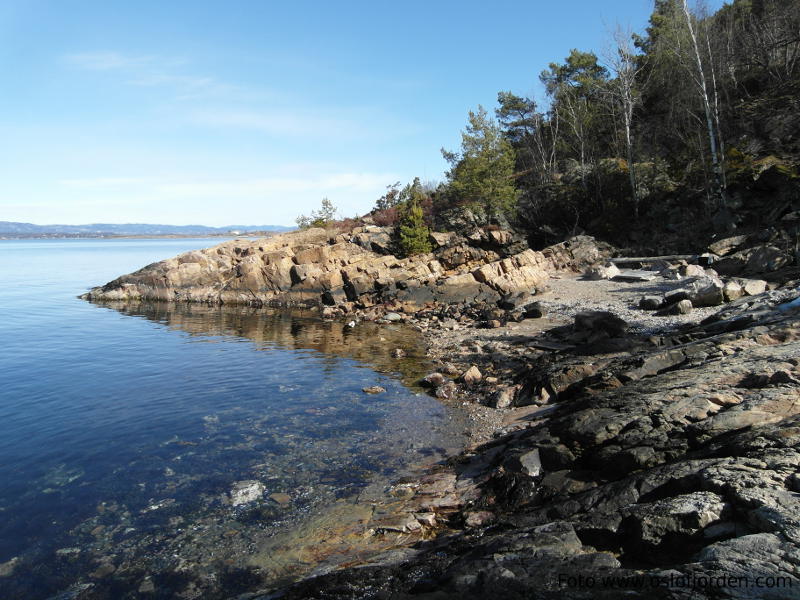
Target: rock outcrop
[
  {"x": 670, "y": 469},
  {"x": 351, "y": 271}
]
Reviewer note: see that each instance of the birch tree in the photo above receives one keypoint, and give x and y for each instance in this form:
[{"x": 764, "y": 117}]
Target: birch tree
[{"x": 626, "y": 68}]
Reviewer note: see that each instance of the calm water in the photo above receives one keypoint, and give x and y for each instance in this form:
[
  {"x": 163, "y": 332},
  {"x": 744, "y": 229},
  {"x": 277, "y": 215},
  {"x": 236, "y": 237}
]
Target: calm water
[{"x": 123, "y": 428}]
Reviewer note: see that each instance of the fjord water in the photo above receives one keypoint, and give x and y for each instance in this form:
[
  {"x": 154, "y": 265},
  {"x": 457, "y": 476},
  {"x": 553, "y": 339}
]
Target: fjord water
[{"x": 123, "y": 428}]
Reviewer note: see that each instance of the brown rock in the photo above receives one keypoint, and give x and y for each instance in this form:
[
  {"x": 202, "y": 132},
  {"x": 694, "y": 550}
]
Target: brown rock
[{"x": 471, "y": 376}]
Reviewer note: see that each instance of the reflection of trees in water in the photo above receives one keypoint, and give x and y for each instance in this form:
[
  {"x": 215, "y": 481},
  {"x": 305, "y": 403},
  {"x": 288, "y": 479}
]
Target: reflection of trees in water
[{"x": 292, "y": 329}]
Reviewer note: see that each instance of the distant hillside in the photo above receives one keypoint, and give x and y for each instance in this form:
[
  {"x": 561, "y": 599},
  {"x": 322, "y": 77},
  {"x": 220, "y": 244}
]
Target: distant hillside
[{"x": 99, "y": 229}]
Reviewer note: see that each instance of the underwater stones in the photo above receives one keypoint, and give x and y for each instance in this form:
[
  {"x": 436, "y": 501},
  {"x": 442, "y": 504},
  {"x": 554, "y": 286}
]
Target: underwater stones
[
  {"x": 244, "y": 492},
  {"x": 373, "y": 389},
  {"x": 281, "y": 498},
  {"x": 7, "y": 568},
  {"x": 398, "y": 353}
]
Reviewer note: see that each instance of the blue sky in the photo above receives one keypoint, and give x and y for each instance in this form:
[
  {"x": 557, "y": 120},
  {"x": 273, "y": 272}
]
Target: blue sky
[{"x": 250, "y": 112}]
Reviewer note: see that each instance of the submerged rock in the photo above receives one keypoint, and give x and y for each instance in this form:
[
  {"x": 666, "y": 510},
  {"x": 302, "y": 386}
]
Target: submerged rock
[
  {"x": 244, "y": 492},
  {"x": 373, "y": 389}
]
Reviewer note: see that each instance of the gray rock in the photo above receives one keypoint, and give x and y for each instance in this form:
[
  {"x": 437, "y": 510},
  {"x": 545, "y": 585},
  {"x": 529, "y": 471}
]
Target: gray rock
[
  {"x": 732, "y": 291},
  {"x": 433, "y": 380},
  {"x": 650, "y": 302},
  {"x": 682, "y": 307},
  {"x": 635, "y": 276},
  {"x": 600, "y": 321},
  {"x": 599, "y": 272},
  {"x": 753, "y": 287},
  {"x": 534, "y": 310}
]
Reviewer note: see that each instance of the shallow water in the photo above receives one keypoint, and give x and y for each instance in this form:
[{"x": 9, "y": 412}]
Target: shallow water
[{"x": 123, "y": 428}]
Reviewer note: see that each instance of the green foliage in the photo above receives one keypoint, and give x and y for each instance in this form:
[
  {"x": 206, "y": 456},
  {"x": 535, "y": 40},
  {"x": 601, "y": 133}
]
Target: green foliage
[
  {"x": 482, "y": 174},
  {"x": 318, "y": 218},
  {"x": 413, "y": 233}
]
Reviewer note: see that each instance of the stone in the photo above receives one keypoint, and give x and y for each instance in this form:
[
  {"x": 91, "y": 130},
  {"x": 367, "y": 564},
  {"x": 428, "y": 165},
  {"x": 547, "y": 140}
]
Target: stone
[
  {"x": 281, "y": 498},
  {"x": 477, "y": 519},
  {"x": 635, "y": 276},
  {"x": 692, "y": 271},
  {"x": 753, "y": 287},
  {"x": 682, "y": 307},
  {"x": 600, "y": 321},
  {"x": 244, "y": 492},
  {"x": 447, "y": 391},
  {"x": 732, "y": 291},
  {"x": 600, "y": 272},
  {"x": 398, "y": 353},
  {"x": 450, "y": 369},
  {"x": 7, "y": 568},
  {"x": 534, "y": 310},
  {"x": 373, "y": 389},
  {"x": 393, "y": 317},
  {"x": 502, "y": 398},
  {"x": 513, "y": 300},
  {"x": 428, "y": 519},
  {"x": 433, "y": 380},
  {"x": 725, "y": 246},
  {"x": 529, "y": 463},
  {"x": 707, "y": 292},
  {"x": 103, "y": 570},
  {"x": 439, "y": 239},
  {"x": 650, "y": 302},
  {"x": 472, "y": 375}
]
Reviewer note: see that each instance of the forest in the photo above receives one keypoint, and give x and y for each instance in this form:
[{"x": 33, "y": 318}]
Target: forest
[{"x": 664, "y": 139}]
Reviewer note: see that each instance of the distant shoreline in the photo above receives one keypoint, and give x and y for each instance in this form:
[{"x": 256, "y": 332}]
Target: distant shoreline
[{"x": 91, "y": 236}]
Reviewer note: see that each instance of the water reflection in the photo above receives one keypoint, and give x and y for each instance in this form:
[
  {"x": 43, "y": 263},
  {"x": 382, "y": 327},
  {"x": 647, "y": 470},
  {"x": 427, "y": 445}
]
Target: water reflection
[{"x": 293, "y": 329}]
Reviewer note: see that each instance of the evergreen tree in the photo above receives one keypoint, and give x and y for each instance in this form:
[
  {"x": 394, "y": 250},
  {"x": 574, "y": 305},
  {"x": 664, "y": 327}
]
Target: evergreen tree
[
  {"x": 482, "y": 174},
  {"x": 413, "y": 232}
]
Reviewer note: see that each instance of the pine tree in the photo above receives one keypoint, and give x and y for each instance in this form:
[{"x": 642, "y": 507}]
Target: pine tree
[
  {"x": 482, "y": 174},
  {"x": 413, "y": 231}
]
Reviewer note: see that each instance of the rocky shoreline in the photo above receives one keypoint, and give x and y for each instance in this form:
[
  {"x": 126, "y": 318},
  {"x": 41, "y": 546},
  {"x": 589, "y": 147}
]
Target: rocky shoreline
[{"x": 634, "y": 433}]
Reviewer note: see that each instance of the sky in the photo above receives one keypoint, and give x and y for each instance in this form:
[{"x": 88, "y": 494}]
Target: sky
[{"x": 250, "y": 112}]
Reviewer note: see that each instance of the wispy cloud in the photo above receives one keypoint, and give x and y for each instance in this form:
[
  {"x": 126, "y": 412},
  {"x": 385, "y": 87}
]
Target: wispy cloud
[
  {"x": 148, "y": 71},
  {"x": 271, "y": 186},
  {"x": 281, "y": 122},
  {"x": 106, "y": 61},
  {"x": 103, "y": 182}
]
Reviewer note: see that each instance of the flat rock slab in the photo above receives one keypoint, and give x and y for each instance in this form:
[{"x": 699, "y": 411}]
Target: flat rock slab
[{"x": 636, "y": 275}]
